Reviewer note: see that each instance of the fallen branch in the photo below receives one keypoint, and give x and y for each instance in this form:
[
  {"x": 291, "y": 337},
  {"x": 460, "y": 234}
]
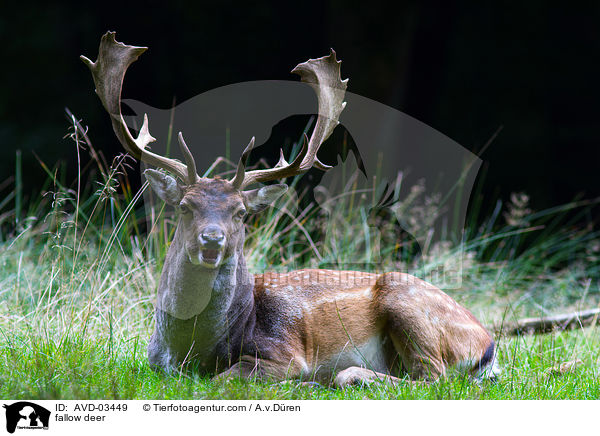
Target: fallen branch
[{"x": 547, "y": 324}]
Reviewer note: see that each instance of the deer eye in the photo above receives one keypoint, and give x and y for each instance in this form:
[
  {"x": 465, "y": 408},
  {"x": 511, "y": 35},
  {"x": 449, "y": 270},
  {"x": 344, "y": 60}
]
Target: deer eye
[
  {"x": 240, "y": 214},
  {"x": 184, "y": 209}
]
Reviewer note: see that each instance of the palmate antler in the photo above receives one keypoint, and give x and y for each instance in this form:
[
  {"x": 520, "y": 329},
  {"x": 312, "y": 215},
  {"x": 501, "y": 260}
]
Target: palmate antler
[
  {"x": 108, "y": 72},
  {"x": 323, "y": 74}
]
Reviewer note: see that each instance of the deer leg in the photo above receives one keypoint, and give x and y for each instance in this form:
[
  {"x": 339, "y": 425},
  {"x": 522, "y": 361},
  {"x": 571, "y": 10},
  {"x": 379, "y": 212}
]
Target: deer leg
[
  {"x": 242, "y": 370},
  {"x": 249, "y": 367},
  {"x": 357, "y": 376}
]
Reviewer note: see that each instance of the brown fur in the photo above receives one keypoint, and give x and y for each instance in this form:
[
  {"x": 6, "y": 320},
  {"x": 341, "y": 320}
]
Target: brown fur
[{"x": 322, "y": 313}]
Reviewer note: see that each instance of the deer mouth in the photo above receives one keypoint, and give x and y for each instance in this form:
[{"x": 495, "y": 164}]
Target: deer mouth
[{"x": 210, "y": 257}]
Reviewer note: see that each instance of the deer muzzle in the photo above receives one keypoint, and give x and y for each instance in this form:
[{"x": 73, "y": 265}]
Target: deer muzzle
[{"x": 211, "y": 243}]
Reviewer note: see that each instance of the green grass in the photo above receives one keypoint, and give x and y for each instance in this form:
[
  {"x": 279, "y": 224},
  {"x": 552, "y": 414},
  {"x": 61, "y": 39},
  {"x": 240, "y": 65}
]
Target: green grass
[
  {"x": 78, "y": 275},
  {"x": 35, "y": 366}
]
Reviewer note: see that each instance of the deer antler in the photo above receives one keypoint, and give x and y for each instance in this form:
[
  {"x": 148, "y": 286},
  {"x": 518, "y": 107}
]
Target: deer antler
[
  {"x": 323, "y": 74},
  {"x": 108, "y": 72}
]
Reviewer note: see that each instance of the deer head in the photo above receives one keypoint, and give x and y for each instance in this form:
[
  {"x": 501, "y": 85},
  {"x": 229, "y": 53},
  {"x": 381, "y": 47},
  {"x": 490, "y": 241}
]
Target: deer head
[
  {"x": 212, "y": 213},
  {"x": 213, "y": 210}
]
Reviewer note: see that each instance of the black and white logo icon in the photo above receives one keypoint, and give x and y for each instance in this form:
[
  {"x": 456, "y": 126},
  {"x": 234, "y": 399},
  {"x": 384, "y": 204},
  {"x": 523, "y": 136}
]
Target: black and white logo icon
[{"x": 26, "y": 415}]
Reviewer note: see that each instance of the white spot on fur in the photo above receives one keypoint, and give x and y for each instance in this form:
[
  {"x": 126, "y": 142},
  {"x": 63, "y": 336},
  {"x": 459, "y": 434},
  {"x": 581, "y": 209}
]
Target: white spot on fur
[
  {"x": 468, "y": 326},
  {"x": 305, "y": 369}
]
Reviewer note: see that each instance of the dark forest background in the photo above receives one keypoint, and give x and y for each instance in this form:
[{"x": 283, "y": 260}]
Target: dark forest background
[{"x": 463, "y": 68}]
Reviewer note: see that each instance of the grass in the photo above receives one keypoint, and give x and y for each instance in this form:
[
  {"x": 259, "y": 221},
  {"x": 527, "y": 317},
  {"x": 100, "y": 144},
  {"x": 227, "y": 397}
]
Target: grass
[
  {"x": 36, "y": 367},
  {"x": 79, "y": 266}
]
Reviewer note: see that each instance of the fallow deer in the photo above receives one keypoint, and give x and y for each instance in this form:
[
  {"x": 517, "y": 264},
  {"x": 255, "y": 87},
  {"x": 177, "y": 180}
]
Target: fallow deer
[{"x": 307, "y": 324}]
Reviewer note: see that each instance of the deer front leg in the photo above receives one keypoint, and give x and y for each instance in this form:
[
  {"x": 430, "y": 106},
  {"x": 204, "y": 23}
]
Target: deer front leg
[
  {"x": 249, "y": 367},
  {"x": 243, "y": 370},
  {"x": 356, "y": 376}
]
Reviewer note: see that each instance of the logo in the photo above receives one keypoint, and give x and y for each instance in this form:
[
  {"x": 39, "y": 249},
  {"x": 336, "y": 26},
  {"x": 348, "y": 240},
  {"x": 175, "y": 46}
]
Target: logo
[{"x": 26, "y": 415}]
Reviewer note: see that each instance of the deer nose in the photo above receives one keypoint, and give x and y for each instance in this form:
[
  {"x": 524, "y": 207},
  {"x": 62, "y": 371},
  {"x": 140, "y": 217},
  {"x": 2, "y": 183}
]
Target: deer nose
[{"x": 212, "y": 237}]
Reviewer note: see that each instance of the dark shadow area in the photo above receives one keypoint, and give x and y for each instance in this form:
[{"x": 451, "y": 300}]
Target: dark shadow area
[{"x": 463, "y": 68}]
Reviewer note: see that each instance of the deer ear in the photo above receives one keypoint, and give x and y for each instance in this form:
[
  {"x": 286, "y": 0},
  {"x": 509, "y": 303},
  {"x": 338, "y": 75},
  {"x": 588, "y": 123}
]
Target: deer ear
[
  {"x": 259, "y": 199},
  {"x": 165, "y": 186}
]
